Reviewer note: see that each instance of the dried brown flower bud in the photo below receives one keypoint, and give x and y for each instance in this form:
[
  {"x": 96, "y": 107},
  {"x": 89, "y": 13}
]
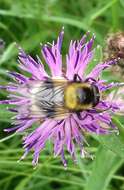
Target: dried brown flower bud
[{"x": 115, "y": 49}]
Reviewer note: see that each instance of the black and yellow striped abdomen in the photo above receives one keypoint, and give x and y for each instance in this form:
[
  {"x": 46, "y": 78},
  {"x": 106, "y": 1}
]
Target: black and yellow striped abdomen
[{"x": 57, "y": 98}]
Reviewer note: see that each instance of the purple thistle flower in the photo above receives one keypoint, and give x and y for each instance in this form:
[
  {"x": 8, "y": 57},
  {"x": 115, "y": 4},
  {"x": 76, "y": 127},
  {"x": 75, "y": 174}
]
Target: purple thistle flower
[
  {"x": 66, "y": 129},
  {"x": 117, "y": 96}
]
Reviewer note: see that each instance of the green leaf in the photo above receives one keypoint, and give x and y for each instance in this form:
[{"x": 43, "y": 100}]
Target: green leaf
[
  {"x": 7, "y": 53},
  {"x": 104, "y": 166},
  {"x": 7, "y": 138},
  {"x": 120, "y": 128},
  {"x": 5, "y": 115},
  {"x": 12, "y": 50},
  {"x": 103, "y": 9},
  {"x": 113, "y": 143}
]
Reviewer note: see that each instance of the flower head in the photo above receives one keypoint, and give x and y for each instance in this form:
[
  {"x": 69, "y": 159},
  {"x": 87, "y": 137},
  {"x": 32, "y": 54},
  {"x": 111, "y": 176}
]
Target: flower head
[
  {"x": 117, "y": 96},
  {"x": 29, "y": 94}
]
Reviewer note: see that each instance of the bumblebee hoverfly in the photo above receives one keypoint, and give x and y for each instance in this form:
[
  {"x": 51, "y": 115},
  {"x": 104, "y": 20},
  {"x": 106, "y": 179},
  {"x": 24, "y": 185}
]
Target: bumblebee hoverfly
[{"x": 56, "y": 98}]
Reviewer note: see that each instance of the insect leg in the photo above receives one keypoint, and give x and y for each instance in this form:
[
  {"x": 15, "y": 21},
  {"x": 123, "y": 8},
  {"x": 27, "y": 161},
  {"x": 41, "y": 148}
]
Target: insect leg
[
  {"x": 77, "y": 78},
  {"x": 90, "y": 78}
]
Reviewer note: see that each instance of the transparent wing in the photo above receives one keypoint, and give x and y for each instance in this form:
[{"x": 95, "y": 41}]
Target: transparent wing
[{"x": 48, "y": 99}]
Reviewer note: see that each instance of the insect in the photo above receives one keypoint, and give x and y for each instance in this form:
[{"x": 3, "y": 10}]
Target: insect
[{"x": 59, "y": 97}]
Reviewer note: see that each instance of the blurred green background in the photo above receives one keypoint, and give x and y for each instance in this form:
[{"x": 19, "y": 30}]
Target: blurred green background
[{"x": 30, "y": 22}]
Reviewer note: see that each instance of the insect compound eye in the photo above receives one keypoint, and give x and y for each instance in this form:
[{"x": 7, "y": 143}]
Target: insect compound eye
[
  {"x": 81, "y": 95},
  {"x": 96, "y": 95},
  {"x": 88, "y": 95}
]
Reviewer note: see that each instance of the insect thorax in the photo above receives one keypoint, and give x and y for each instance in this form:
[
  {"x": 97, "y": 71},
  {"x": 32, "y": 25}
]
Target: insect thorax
[{"x": 80, "y": 96}]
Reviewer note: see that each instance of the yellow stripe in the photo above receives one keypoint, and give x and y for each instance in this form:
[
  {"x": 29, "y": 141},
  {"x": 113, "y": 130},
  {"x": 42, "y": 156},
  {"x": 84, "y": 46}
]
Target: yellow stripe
[{"x": 70, "y": 97}]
